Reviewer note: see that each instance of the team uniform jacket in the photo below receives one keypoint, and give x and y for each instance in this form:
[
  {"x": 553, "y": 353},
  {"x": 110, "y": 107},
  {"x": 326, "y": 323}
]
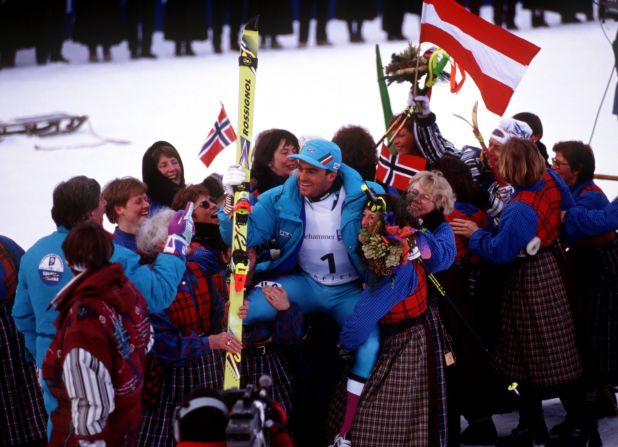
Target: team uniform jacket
[
  {"x": 39, "y": 282},
  {"x": 279, "y": 215}
]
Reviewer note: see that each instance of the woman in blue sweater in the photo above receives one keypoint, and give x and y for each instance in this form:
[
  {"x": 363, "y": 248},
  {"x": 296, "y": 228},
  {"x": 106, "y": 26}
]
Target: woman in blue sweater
[
  {"x": 126, "y": 205},
  {"x": 595, "y": 262},
  {"x": 403, "y": 401},
  {"x": 536, "y": 346}
]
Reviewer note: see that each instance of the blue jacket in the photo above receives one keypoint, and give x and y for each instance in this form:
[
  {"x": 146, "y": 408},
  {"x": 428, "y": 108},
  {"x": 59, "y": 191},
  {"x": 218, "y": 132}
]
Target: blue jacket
[
  {"x": 585, "y": 222},
  {"x": 376, "y": 301},
  {"x": 518, "y": 225},
  {"x": 576, "y": 229},
  {"x": 44, "y": 272},
  {"x": 279, "y": 214}
]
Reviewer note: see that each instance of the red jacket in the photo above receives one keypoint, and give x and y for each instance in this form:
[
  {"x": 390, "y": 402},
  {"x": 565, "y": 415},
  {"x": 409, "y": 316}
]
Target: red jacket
[
  {"x": 547, "y": 204},
  {"x": 413, "y": 305},
  {"x": 103, "y": 313}
]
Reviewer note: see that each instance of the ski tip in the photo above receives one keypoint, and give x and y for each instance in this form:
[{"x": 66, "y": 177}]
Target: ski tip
[{"x": 252, "y": 23}]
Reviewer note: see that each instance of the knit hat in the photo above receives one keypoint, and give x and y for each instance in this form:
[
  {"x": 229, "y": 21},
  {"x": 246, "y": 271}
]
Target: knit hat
[
  {"x": 320, "y": 153},
  {"x": 511, "y": 128}
]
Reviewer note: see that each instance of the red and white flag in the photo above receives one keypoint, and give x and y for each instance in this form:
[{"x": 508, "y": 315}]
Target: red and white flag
[
  {"x": 397, "y": 170},
  {"x": 220, "y": 136},
  {"x": 495, "y": 58}
]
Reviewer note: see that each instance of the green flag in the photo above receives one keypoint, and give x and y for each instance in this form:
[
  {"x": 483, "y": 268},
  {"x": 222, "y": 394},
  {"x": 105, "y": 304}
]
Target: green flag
[{"x": 386, "y": 100}]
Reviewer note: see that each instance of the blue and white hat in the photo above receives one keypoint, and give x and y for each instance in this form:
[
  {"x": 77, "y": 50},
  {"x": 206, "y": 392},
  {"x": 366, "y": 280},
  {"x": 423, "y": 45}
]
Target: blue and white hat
[
  {"x": 320, "y": 153},
  {"x": 511, "y": 128}
]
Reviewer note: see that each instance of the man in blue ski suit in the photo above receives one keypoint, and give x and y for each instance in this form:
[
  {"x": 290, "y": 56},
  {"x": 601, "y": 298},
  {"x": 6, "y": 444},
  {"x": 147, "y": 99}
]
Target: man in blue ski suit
[{"x": 315, "y": 217}]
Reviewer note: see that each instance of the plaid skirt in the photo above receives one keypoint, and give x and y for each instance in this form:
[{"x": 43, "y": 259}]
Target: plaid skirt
[
  {"x": 254, "y": 364},
  {"x": 537, "y": 342},
  {"x": 22, "y": 414},
  {"x": 597, "y": 275},
  {"x": 399, "y": 405},
  {"x": 157, "y": 427}
]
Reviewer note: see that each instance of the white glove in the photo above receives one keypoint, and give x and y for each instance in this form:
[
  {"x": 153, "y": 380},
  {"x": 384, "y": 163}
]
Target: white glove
[
  {"x": 419, "y": 104},
  {"x": 234, "y": 176}
]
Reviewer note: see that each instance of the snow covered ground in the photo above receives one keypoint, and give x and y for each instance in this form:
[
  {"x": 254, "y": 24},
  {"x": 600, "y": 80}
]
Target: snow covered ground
[{"x": 312, "y": 91}]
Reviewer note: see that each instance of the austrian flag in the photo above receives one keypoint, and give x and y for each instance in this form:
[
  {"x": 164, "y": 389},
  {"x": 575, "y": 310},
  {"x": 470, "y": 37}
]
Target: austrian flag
[
  {"x": 326, "y": 159},
  {"x": 493, "y": 57},
  {"x": 220, "y": 136}
]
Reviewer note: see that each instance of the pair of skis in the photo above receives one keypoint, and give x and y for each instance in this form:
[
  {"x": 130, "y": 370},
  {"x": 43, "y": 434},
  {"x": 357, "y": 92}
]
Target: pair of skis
[{"x": 242, "y": 207}]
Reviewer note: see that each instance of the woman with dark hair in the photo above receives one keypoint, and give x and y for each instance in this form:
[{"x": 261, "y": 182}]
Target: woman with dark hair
[
  {"x": 536, "y": 346},
  {"x": 163, "y": 173},
  {"x": 207, "y": 246},
  {"x": 417, "y": 143},
  {"x": 271, "y": 165},
  {"x": 214, "y": 185},
  {"x": 468, "y": 283},
  {"x": 358, "y": 150},
  {"x": 595, "y": 264},
  {"x": 261, "y": 341},
  {"x": 188, "y": 335},
  {"x": 95, "y": 364}
]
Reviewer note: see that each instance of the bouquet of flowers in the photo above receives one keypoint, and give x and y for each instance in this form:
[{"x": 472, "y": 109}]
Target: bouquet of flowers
[
  {"x": 425, "y": 69},
  {"x": 385, "y": 250}
]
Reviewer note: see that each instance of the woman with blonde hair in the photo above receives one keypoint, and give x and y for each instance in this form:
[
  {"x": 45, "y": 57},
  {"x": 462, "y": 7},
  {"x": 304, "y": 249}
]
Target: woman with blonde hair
[
  {"x": 536, "y": 346},
  {"x": 404, "y": 400}
]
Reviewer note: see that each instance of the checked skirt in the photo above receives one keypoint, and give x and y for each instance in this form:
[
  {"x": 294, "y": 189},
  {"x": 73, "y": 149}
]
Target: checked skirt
[
  {"x": 597, "y": 275},
  {"x": 537, "y": 343},
  {"x": 399, "y": 404},
  {"x": 178, "y": 383},
  {"x": 272, "y": 363},
  {"x": 22, "y": 414}
]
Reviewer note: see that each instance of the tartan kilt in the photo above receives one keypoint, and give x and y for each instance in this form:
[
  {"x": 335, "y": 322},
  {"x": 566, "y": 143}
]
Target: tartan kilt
[
  {"x": 438, "y": 372},
  {"x": 157, "y": 427},
  {"x": 597, "y": 272},
  {"x": 272, "y": 363},
  {"x": 396, "y": 403},
  {"x": 537, "y": 344},
  {"x": 22, "y": 415}
]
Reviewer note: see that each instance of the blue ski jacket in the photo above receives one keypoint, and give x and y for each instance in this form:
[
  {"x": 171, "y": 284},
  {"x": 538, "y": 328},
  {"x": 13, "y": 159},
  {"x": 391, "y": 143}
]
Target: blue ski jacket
[
  {"x": 589, "y": 200},
  {"x": 588, "y": 222},
  {"x": 44, "y": 272},
  {"x": 279, "y": 214}
]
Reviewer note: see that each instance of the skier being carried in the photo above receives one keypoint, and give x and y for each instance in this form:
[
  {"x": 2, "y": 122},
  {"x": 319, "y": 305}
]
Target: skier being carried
[{"x": 315, "y": 217}]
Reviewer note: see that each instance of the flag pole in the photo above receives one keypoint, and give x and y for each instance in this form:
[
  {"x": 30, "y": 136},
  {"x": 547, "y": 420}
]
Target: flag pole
[
  {"x": 407, "y": 113},
  {"x": 418, "y": 54}
]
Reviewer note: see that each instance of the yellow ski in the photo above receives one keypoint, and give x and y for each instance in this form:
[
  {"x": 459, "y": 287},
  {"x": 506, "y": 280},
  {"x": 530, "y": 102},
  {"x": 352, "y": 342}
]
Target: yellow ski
[{"x": 242, "y": 206}]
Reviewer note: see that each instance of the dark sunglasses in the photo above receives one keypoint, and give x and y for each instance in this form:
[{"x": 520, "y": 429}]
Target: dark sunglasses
[{"x": 207, "y": 204}]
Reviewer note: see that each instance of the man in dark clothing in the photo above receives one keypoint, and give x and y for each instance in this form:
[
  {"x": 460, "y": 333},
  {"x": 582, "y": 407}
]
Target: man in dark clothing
[
  {"x": 140, "y": 11},
  {"x": 51, "y": 20}
]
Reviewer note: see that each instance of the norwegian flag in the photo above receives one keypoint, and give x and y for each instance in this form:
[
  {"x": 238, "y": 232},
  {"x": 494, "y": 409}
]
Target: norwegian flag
[
  {"x": 396, "y": 170},
  {"x": 220, "y": 136},
  {"x": 495, "y": 58}
]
